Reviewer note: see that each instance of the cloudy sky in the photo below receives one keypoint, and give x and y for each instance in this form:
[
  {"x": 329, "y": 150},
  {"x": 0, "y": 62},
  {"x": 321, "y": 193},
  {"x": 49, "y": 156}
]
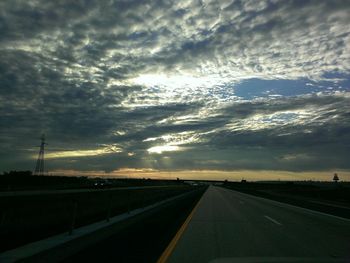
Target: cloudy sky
[{"x": 208, "y": 88}]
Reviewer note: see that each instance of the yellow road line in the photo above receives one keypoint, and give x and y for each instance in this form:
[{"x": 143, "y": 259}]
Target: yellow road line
[{"x": 167, "y": 252}]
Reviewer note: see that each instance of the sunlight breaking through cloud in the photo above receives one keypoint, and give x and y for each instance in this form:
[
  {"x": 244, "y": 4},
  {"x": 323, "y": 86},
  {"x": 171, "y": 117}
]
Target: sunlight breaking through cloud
[{"x": 163, "y": 148}]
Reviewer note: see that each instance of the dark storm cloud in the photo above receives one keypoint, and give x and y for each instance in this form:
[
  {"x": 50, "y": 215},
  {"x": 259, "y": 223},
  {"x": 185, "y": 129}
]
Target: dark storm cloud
[{"x": 112, "y": 79}]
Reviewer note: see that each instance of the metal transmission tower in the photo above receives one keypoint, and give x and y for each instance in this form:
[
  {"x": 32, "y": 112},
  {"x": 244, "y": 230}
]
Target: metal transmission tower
[{"x": 39, "y": 167}]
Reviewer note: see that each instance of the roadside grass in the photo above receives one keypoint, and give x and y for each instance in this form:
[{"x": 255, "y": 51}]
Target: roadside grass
[{"x": 324, "y": 197}]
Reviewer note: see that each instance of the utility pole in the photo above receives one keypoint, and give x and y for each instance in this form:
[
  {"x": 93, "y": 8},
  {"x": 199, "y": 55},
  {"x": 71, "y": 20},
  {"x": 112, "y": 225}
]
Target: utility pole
[
  {"x": 335, "y": 178},
  {"x": 39, "y": 167}
]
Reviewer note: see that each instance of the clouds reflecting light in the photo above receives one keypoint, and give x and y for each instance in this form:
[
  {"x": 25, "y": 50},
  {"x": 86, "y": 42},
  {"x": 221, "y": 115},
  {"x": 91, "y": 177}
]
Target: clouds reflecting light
[{"x": 213, "y": 85}]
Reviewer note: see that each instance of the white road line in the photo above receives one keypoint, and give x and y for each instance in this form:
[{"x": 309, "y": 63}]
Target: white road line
[{"x": 273, "y": 220}]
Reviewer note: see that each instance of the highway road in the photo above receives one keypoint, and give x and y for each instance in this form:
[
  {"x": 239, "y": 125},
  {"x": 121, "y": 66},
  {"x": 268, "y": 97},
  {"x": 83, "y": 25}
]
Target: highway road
[{"x": 229, "y": 226}]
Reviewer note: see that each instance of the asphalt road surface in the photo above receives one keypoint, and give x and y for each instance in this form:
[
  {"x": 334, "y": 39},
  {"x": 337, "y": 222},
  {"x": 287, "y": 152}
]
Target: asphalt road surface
[{"x": 229, "y": 226}]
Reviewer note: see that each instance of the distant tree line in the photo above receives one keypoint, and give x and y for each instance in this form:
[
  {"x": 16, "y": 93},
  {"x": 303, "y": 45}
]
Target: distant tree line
[{"x": 18, "y": 173}]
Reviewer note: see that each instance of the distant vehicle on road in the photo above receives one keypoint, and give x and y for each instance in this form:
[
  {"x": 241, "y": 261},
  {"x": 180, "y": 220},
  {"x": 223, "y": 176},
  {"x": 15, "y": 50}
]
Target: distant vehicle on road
[{"x": 102, "y": 183}]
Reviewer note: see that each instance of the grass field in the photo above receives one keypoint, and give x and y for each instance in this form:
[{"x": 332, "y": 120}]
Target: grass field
[
  {"x": 23, "y": 180},
  {"x": 333, "y": 198}
]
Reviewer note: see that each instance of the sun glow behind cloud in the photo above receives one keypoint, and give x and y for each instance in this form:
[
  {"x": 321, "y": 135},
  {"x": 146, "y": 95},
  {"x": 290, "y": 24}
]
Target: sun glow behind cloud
[
  {"x": 163, "y": 148},
  {"x": 172, "y": 142},
  {"x": 184, "y": 87},
  {"x": 173, "y": 82}
]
